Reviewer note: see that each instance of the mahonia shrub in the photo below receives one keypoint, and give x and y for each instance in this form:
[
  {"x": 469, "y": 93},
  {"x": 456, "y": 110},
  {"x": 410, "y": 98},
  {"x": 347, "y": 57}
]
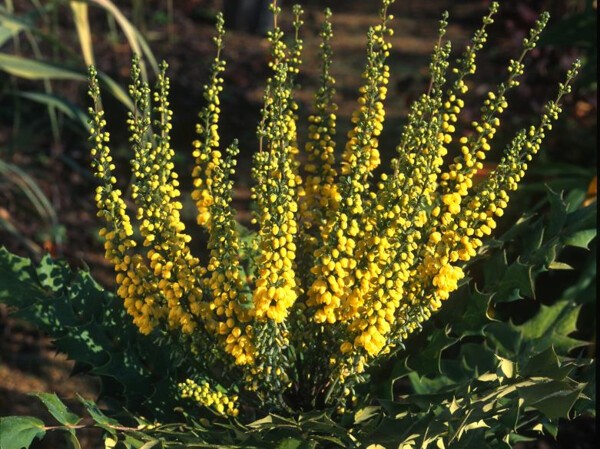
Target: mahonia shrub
[
  {"x": 343, "y": 265},
  {"x": 279, "y": 338}
]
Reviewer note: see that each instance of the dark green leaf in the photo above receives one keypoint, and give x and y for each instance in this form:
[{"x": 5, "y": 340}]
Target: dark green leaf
[
  {"x": 89, "y": 342},
  {"x": 18, "y": 286},
  {"x": 427, "y": 361},
  {"x": 581, "y": 220},
  {"x": 477, "y": 359},
  {"x": 581, "y": 239},
  {"x": 523, "y": 224},
  {"x": 551, "y": 326},
  {"x": 504, "y": 338},
  {"x": 293, "y": 443},
  {"x": 467, "y": 312},
  {"x": 546, "y": 364},
  {"x": 558, "y": 213},
  {"x": 554, "y": 398},
  {"x": 516, "y": 282}
]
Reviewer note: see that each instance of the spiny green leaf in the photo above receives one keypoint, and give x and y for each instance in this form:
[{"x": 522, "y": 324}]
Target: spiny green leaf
[
  {"x": 553, "y": 398},
  {"x": 581, "y": 219},
  {"x": 49, "y": 315},
  {"x": 58, "y": 409},
  {"x": 88, "y": 341},
  {"x": 551, "y": 326},
  {"x": 53, "y": 275},
  {"x": 546, "y": 364},
  {"x": 558, "y": 213},
  {"x": 123, "y": 366},
  {"x": 470, "y": 426},
  {"x": 87, "y": 296},
  {"x": 510, "y": 419},
  {"x": 92, "y": 328},
  {"x": 426, "y": 385},
  {"x": 516, "y": 282},
  {"x": 17, "y": 432},
  {"x": 261, "y": 422},
  {"x": 427, "y": 361},
  {"x": 583, "y": 291},
  {"x": 17, "y": 280},
  {"x": 587, "y": 404},
  {"x": 523, "y": 225},
  {"x": 581, "y": 239},
  {"x": 331, "y": 441},
  {"x": 504, "y": 338},
  {"x": 467, "y": 312},
  {"x": 532, "y": 239},
  {"x": 477, "y": 359}
]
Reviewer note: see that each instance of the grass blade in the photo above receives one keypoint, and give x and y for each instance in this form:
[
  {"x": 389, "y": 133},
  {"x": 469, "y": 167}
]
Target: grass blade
[
  {"x": 68, "y": 108},
  {"x": 36, "y": 70},
  {"x": 117, "y": 91},
  {"x": 136, "y": 40},
  {"x": 31, "y": 190},
  {"x": 82, "y": 23},
  {"x": 9, "y": 28}
]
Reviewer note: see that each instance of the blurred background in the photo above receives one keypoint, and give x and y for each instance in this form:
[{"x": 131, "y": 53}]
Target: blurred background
[{"x": 46, "y": 187}]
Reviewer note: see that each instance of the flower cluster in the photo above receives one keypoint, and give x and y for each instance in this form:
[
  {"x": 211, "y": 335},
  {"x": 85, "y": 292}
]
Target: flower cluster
[
  {"x": 227, "y": 314},
  {"x": 342, "y": 266},
  {"x": 204, "y": 395}
]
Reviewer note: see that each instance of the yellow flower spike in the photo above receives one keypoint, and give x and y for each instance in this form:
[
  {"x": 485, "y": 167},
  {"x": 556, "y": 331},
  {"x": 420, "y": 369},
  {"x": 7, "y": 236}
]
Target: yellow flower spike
[
  {"x": 228, "y": 303},
  {"x": 338, "y": 292},
  {"x": 460, "y": 173},
  {"x": 276, "y": 193},
  {"x": 320, "y": 147},
  {"x": 206, "y": 152},
  {"x": 275, "y": 171},
  {"x": 156, "y": 187},
  {"x": 491, "y": 195},
  {"x": 118, "y": 231},
  {"x": 339, "y": 272}
]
